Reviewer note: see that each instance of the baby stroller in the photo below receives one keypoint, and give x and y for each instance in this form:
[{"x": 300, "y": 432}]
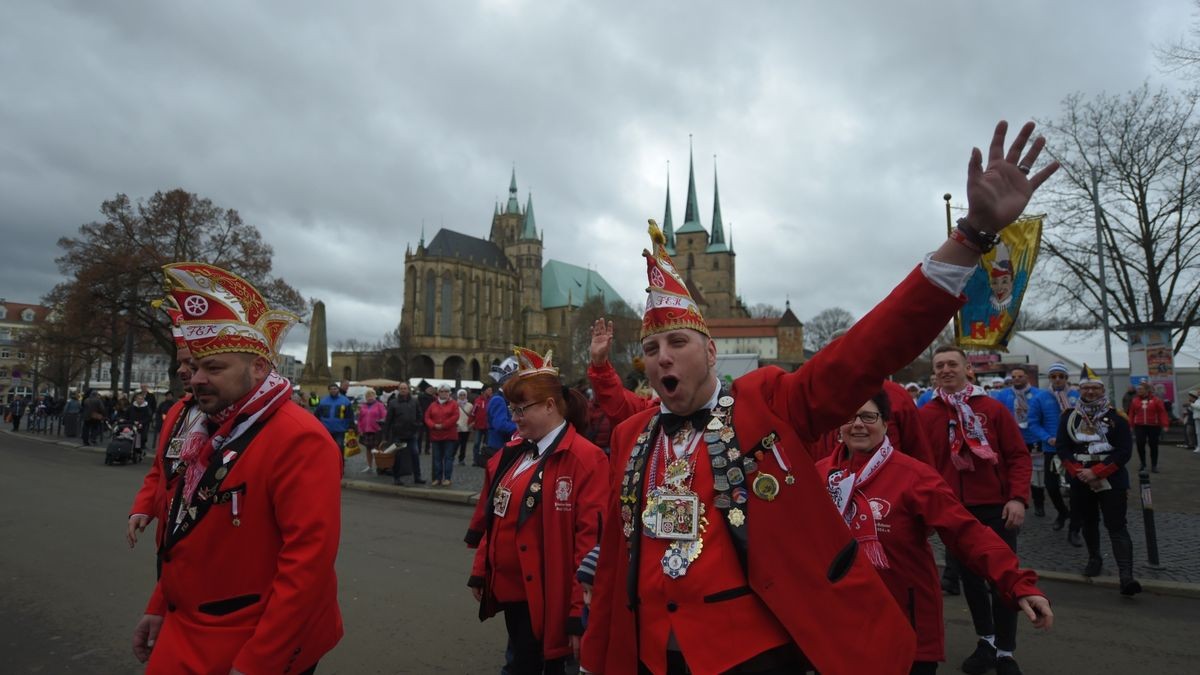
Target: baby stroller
[{"x": 126, "y": 443}]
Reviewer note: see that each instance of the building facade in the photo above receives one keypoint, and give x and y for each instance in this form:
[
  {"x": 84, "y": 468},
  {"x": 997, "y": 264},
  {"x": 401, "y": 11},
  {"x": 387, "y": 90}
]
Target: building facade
[
  {"x": 776, "y": 341},
  {"x": 16, "y": 373}
]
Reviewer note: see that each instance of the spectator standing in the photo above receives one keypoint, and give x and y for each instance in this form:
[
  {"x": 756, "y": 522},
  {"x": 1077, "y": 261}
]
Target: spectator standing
[
  {"x": 71, "y": 411},
  {"x": 313, "y": 400},
  {"x": 336, "y": 414},
  {"x": 371, "y": 415},
  {"x": 16, "y": 410},
  {"x": 1193, "y": 414},
  {"x": 465, "y": 408},
  {"x": 1149, "y": 418},
  {"x": 93, "y": 417},
  {"x": 426, "y": 398},
  {"x": 441, "y": 419},
  {"x": 401, "y": 427},
  {"x": 149, "y": 396},
  {"x": 479, "y": 422},
  {"x": 141, "y": 413}
]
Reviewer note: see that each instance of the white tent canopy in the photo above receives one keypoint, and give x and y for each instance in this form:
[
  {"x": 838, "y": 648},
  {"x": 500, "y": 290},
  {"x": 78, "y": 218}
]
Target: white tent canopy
[{"x": 453, "y": 384}]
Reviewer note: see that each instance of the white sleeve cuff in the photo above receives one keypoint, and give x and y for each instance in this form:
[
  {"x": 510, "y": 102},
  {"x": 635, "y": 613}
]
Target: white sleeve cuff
[{"x": 946, "y": 276}]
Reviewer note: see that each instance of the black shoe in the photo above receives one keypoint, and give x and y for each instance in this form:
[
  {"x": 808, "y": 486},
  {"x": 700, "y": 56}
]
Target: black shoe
[
  {"x": 418, "y": 481},
  {"x": 981, "y": 660},
  {"x": 1130, "y": 587},
  {"x": 1039, "y": 510},
  {"x": 1007, "y": 665},
  {"x": 1059, "y": 523},
  {"x": 1094, "y": 565},
  {"x": 1075, "y": 539},
  {"x": 1154, "y": 469},
  {"x": 949, "y": 587},
  {"x": 399, "y": 483}
]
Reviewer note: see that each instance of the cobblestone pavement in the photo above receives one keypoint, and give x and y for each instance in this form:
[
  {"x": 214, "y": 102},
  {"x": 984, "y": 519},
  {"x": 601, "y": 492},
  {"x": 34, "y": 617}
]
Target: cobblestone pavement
[{"x": 464, "y": 477}]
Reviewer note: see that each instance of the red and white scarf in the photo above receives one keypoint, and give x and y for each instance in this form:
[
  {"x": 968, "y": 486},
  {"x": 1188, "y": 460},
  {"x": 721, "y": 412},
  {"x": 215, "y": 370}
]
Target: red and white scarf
[
  {"x": 223, "y": 427},
  {"x": 847, "y": 491},
  {"x": 967, "y": 435}
]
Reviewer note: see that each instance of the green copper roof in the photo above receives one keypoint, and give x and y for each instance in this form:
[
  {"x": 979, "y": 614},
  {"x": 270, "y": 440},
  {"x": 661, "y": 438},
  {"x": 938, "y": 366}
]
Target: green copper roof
[
  {"x": 564, "y": 283},
  {"x": 512, "y": 206},
  {"x": 691, "y": 217},
  {"x": 716, "y": 241},
  {"x": 529, "y": 231},
  {"x": 668, "y": 227}
]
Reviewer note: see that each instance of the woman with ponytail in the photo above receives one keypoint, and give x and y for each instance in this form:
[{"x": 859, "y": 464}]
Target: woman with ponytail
[
  {"x": 538, "y": 517},
  {"x": 890, "y": 502}
]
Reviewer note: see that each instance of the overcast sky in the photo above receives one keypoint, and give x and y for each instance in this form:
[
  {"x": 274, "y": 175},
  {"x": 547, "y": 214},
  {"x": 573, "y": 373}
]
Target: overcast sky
[{"x": 338, "y": 128}]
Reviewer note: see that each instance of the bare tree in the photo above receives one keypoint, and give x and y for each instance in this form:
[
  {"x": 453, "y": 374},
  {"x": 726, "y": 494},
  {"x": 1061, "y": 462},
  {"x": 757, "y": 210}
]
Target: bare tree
[
  {"x": 1146, "y": 149},
  {"x": 820, "y": 329},
  {"x": 1183, "y": 55},
  {"x": 763, "y": 310}
]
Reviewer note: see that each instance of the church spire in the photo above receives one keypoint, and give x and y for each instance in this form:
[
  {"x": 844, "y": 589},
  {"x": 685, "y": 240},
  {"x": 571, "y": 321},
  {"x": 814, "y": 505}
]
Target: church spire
[
  {"x": 529, "y": 231},
  {"x": 691, "y": 217},
  {"x": 668, "y": 222},
  {"x": 716, "y": 241},
  {"x": 513, "y": 206}
]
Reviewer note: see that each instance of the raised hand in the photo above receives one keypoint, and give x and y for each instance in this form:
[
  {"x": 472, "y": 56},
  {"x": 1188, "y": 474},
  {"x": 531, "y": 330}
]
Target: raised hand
[
  {"x": 997, "y": 195},
  {"x": 602, "y": 337}
]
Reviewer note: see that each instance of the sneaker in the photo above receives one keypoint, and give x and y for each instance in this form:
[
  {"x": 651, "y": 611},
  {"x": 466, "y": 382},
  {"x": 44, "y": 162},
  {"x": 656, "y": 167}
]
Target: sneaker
[
  {"x": 1007, "y": 665},
  {"x": 981, "y": 660},
  {"x": 366, "y": 469},
  {"x": 445, "y": 483}
]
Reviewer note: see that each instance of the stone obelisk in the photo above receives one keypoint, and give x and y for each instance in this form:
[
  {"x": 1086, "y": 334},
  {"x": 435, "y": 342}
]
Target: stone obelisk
[{"x": 316, "y": 375}]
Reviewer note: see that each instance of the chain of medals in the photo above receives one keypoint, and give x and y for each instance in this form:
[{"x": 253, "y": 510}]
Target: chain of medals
[
  {"x": 673, "y": 510},
  {"x": 187, "y": 422},
  {"x": 503, "y": 494}
]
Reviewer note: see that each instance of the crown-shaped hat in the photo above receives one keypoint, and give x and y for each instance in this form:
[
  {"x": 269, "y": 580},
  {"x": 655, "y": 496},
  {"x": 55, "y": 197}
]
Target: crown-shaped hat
[
  {"x": 222, "y": 312},
  {"x": 669, "y": 305},
  {"x": 531, "y": 363},
  {"x": 1002, "y": 263},
  {"x": 1089, "y": 375},
  {"x": 167, "y": 305}
]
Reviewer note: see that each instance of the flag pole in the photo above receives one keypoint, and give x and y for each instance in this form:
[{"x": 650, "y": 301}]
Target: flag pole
[
  {"x": 949, "y": 230},
  {"x": 1112, "y": 391}
]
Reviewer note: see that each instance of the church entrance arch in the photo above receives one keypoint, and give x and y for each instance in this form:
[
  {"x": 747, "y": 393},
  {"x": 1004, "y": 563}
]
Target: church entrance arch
[
  {"x": 453, "y": 368},
  {"x": 393, "y": 368},
  {"x": 422, "y": 366},
  {"x": 475, "y": 369}
]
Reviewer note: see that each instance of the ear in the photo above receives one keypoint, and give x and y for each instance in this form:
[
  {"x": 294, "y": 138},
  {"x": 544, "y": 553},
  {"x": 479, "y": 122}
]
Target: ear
[
  {"x": 711, "y": 348},
  {"x": 261, "y": 367}
]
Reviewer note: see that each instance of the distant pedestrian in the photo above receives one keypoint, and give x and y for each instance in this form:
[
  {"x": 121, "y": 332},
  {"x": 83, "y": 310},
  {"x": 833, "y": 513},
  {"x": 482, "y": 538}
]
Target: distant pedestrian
[
  {"x": 1194, "y": 419},
  {"x": 142, "y": 414},
  {"x": 371, "y": 415},
  {"x": 93, "y": 417},
  {"x": 336, "y": 414},
  {"x": 479, "y": 422},
  {"x": 16, "y": 410},
  {"x": 441, "y": 418},
  {"x": 400, "y": 428},
  {"x": 1149, "y": 418},
  {"x": 465, "y": 408}
]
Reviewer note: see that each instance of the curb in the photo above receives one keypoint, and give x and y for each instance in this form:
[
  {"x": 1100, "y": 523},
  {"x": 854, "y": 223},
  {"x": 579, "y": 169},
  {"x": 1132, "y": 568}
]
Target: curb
[
  {"x": 1181, "y": 589},
  {"x": 428, "y": 494}
]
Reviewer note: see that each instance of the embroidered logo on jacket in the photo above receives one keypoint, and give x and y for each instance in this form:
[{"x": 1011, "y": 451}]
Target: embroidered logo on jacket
[{"x": 562, "y": 494}]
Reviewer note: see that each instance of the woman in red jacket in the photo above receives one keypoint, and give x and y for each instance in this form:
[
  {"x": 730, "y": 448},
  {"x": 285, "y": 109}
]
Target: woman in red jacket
[
  {"x": 441, "y": 418},
  {"x": 539, "y": 518},
  {"x": 890, "y": 501},
  {"x": 1148, "y": 417}
]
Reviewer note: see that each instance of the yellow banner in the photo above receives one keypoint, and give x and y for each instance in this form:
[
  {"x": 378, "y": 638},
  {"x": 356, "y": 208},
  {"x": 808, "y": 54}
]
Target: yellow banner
[{"x": 997, "y": 288}]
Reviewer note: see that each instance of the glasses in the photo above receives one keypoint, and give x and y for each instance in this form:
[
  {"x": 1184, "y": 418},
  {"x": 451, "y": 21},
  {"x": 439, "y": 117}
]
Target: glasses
[
  {"x": 519, "y": 410},
  {"x": 865, "y": 417}
]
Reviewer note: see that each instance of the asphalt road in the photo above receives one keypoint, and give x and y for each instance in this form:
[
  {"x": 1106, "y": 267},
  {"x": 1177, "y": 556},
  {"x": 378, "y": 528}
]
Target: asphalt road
[{"x": 71, "y": 590}]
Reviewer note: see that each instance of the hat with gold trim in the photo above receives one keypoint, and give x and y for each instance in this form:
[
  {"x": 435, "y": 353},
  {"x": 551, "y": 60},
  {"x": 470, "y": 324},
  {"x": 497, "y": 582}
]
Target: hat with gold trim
[
  {"x": 167, "y": 305},
  {"x": 530, "y": 362},
  {"x": 669, "y": 305},
  {"x": 1089, "y": 375},
  {"x": 220, "y": 312}
]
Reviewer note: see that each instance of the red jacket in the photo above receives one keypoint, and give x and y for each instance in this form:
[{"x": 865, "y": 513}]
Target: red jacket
[
  {"x": 988, "y": 484},
  {"x": 613, "y": 398},
  {"x": 904, "y": 429},
  {"x": 151, "y": 498},
  {"x": 908, "y": 499},
  {"x": 791, "y": 571},
  {"x": 479, "y": 413},
  {"x": 553, "y": 535},
  {"x": 257, "y": 593},
  {"x": 1148, "y": 412},
  {"x": 445, "y": 414}
]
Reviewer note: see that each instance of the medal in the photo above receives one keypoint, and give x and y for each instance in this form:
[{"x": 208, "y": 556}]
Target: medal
[
  {"x": 500, "y": 501},
  {"x": 740, "y": 495},
  {"x": 765, "y": 486},
  {"x": 736, "y": 517},
  {"x": 535, "y": 487},
  {"x": 749, "y": 465},
  {"x": 175, "y": 448},
  {"x": 725, "y": 401},
  {"x": 221, "y": 473},
  {"x": 722, "y": 502},
  {"x": 529, "y": 502},
  {"x": 677, "y": 517},
  {"x": 715, "y": 423},
  {"x": 736, "y": 477},
  {"x": 733, "y": 454},
  {"x": 727, "y": 434}
]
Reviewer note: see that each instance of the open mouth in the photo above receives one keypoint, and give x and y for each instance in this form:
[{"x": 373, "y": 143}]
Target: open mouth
[{"x": 670, "y": 383}]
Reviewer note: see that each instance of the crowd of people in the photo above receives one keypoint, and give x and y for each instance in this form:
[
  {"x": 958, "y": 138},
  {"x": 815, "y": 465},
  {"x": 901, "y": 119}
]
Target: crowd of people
[{"x": 777, "y": 523}]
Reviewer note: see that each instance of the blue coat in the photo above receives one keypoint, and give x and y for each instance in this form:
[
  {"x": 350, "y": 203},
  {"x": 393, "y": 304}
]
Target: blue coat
[
  {"x": 500, "y": 424},
  {"x": 336, "y": 413},
  {"x": 1042, "y": 422}
]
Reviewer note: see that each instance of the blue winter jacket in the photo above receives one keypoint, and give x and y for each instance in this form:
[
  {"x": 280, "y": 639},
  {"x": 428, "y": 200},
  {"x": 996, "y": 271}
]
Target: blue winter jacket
[
  {"x": 336, "y": 413},
  {"x": 1042, "y": 421},
  {"x": 500, "y": 424}
]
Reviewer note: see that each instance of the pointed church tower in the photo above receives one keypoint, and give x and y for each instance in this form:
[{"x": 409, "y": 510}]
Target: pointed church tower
[
  {"x": 668, "y": 227},
  {"x": 507, "y": 222},
  {"x": 716, "y": 241},
  {"x": 691, "y": 240}
]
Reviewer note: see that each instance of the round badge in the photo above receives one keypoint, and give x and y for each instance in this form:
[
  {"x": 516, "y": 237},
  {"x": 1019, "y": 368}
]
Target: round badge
[
  {"x": 221, "y": 473},
  {"x": 725, "y": 401},
  {"x": 195, "y": 305},
  {"x": 766, "y": 486}
]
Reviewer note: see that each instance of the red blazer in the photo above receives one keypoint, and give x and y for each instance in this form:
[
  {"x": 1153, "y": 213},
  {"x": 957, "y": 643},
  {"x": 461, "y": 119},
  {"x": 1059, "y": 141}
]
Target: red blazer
[
  {"x": 1148, "y": 412},
  {"x": 260, "y": 596},
  {"x": 479, "y": 418},
  {"x": 800, "y": 556},
  {"x": 908, "y": 499},
  {"x": 613, "y": 398},
  {"x": 904, "y": 429},
  {"x": 571, "y": 493},
  {"x": 445, "y": 414},
  {"x": 988, "y": 484},
  {"x": 151, "y": 498}
]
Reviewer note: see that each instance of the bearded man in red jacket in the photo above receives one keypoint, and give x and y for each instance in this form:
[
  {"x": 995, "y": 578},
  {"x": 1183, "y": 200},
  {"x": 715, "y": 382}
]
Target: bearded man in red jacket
[
  {"x": 721, "y": 550},
  {"x": 247, "y": 580}
]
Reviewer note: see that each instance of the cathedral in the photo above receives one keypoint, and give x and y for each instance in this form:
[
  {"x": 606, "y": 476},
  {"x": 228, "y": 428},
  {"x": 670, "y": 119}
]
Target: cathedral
[{"x": 467, "y": 300}]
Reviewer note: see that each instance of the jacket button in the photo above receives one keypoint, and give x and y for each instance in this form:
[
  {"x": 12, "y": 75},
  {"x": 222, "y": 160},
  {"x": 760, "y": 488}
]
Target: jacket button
[
  {"x": 671, "y": 607},
  {"x": 523, "y": 547},
  {"x": 528, "y": 577}
]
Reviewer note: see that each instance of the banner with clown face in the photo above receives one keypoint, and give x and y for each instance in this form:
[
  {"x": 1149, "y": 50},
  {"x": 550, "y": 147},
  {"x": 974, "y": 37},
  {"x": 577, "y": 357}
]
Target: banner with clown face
[{"x": 997, "y": 288}]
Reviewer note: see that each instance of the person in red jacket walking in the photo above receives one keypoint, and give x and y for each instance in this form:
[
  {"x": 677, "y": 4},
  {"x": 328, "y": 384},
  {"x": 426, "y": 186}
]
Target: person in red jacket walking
[
  {"x": 982, "y": 455},
  {"x": 890, "y": 501},
  {"x": 1148, "y": 416},
  {"x": 441, "y": 419},
  {"x": 479, "y": 422},
  {"x": 538, "y": 518}
]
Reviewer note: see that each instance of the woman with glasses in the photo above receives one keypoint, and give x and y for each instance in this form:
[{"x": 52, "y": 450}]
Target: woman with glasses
[
  {"x": 538, "y": 517},
  {"x": 890, "y": 502}
]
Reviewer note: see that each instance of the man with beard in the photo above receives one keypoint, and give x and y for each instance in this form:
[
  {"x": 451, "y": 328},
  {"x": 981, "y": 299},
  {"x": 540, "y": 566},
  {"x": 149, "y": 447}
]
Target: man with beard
[
  {"x": 178, "y": 421},
  {"x": 252, "y": 523},
  {"x": 1095, "y": 446},
  {"x": 720, "y": 551}
]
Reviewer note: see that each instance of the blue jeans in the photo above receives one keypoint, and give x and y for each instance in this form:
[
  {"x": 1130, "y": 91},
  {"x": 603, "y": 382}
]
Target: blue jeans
[{"x": 443, "y": 458}]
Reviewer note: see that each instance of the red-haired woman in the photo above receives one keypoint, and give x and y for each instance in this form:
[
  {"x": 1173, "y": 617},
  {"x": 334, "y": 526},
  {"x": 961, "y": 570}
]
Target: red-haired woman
[{"x": 538, "y": 517}]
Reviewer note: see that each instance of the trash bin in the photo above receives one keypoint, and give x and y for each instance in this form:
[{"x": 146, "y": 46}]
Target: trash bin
[{"x": 70, "y": 424}]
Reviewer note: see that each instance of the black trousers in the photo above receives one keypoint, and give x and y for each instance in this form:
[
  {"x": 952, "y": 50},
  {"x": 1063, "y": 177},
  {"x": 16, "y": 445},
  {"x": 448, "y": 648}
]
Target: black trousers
[
  {"x": 527, "y": 649},
  {"x": 988, "y": 611},
  {"x": 1146, "y": 434},
  {"x": 1088, "y": 507},
  {"x": 923, "y": 668},
  {"x": 783, "y": 660}
]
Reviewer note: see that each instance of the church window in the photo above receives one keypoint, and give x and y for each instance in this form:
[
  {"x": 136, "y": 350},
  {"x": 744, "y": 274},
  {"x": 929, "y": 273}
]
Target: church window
[
  {"x": 716, "y": 263},
  {"x": 447, "y": 303},
  {"x": 430, "y": 301}
]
